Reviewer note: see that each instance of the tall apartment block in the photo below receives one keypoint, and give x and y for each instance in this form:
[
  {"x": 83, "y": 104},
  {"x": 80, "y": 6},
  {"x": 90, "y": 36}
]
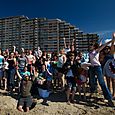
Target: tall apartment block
[
  {"x": 84, "y": 41},
  {"x": 46, "y": 33},
  {"x": 9, "y": 32},
  {"x": 29, "y": 33}
]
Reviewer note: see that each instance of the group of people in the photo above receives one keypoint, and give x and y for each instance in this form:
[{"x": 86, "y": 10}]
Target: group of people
[{"x": 38, "y": 71}]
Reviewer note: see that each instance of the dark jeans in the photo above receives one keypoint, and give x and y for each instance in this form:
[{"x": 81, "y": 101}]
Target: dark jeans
[
  {"x": 97, "y": 71},
  {"x": 11, "y": 78}
]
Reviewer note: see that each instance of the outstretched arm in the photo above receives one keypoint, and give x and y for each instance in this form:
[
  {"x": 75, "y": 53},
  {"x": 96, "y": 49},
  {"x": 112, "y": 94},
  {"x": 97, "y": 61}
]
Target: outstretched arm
[{"x": 103, "y": 46}]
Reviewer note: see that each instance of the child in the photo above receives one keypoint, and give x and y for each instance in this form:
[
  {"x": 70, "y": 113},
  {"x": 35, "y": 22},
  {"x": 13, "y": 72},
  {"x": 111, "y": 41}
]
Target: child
[
  {"x": 82, "y": 74},
  {"x": 81, "y": 82}
]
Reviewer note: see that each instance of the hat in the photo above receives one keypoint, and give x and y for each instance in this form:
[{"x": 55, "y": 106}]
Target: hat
[
  {"x": 26, "y": 78},
  {"x": 26, "y": 75}
]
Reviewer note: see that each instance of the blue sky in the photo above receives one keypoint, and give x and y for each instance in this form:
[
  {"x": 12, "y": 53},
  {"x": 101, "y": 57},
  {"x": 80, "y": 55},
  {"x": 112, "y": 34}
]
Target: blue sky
[{"x": 88, "y": 15}]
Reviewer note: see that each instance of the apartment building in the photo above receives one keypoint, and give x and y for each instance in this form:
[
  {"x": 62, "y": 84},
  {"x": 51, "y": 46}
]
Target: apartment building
[
  {"x": 84, "y": 41},
  {"x": 46, "y": 33},
  {"x": 10, "y": 32},
  {"x": 28, "y": 33}
]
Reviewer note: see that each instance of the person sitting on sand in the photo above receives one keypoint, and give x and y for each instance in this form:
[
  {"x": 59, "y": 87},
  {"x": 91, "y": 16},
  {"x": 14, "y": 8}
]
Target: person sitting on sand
[{"x": 43, "y": 84}]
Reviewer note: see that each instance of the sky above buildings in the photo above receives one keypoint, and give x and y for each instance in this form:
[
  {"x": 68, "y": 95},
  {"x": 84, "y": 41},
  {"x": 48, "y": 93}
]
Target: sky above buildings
[{"x": 87, "y": 15}]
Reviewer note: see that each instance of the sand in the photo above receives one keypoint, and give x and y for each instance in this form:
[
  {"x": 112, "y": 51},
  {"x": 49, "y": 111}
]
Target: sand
[{"x": 57, "y": 106}]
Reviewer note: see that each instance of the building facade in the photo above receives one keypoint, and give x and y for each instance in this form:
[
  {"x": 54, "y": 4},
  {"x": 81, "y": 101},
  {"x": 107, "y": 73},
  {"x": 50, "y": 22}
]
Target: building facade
[{"x": 48, "y": 34}]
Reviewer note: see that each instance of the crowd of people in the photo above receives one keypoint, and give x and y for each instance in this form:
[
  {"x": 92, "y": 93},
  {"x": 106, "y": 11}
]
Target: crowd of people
[{"x": 37, "y": 72}]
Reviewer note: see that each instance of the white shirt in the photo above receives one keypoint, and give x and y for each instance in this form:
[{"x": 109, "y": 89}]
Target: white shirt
[
  {"x": 94, "y": 58},
  {"x": 67, "y": 50},
  {"x": 61, "y": 60}
]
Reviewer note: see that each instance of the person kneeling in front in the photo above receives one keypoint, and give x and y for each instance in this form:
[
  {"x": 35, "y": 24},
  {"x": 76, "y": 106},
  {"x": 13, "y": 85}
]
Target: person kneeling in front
[{"x": 25, "y": 100}]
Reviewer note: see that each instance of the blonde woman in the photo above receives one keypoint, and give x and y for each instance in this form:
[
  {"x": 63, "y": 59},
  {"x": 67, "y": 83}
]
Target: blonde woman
[{"x": 61, "y": 61}]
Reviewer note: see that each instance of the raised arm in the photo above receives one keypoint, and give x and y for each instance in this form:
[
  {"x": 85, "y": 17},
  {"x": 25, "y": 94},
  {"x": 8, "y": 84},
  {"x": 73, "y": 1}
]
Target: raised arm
[
  {"x": 64, "y": 43},
  {"x": 14, "y": 48},
  {"x": 73, "y": 41},
  {"x": 22, "y": 49},
  {"x": 103, "y": 46},
  {"x": 100, "y": 42}
]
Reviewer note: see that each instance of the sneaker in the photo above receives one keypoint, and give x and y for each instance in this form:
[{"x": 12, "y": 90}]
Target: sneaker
[
  {"x": 84, "y": 98},
  {"x": 110, "y": 103},
  {"x": 68, "y": 102},
  {"x": 45, "y": 102},
  {"x": 73, "y": 101}
]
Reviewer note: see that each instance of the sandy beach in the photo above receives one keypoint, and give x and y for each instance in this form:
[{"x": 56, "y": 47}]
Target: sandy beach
[{"x": 57, "y": 106}]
